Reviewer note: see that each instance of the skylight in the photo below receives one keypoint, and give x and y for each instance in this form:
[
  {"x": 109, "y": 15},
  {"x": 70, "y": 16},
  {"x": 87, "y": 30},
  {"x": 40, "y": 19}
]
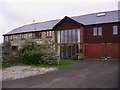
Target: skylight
[{"x": 101, "y": 14}]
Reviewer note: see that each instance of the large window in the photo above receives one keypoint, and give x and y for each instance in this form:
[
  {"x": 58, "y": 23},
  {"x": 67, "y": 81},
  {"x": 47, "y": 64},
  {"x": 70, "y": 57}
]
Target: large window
[
  {"x": 97, "y": 31},
  {"x": 69, "y": 36},
  {"x": 115, "y": 30}
]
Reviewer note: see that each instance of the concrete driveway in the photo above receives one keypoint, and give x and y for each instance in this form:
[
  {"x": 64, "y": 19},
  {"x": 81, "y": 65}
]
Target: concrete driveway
[{"x": 84, "y": 74}]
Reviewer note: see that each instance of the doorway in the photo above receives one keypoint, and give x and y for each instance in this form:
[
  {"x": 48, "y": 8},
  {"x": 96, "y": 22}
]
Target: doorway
[{"x": 70, "y": 51}]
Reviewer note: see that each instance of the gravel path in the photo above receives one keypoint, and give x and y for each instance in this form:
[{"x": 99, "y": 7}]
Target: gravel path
[{"x": 17, "y": 72}]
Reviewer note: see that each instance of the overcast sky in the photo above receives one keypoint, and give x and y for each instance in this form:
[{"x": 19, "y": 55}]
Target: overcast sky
[{"x": 15, "y": 13}]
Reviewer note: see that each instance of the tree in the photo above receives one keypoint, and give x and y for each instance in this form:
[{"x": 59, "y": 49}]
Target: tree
[{"x": 6, "y": 48}]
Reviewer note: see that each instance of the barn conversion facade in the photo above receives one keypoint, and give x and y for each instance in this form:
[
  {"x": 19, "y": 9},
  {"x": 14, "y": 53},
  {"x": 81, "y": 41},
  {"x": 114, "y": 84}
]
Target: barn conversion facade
[{"x": 91, "y": 36}]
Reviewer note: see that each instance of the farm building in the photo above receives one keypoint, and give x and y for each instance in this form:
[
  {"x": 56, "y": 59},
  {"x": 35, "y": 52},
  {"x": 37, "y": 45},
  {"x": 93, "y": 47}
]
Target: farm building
[{"x": 91, "y": 36}]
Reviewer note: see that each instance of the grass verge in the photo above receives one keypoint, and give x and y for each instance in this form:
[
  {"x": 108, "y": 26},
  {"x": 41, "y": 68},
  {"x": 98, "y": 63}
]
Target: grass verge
[{"x": 62, "y": 64}]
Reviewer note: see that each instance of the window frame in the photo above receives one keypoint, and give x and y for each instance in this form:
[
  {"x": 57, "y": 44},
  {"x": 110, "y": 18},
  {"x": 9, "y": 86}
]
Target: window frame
[
  {"x": 23, "y": 36},
  {"x": 38, "y": 35},
  {"x": 97, "y": 31},
  {"x": 69, "y": 36},
  {"x": 48, "y": 34},
  {"x": 15, "y": 48},
  {"x": 115, "y": 27}
]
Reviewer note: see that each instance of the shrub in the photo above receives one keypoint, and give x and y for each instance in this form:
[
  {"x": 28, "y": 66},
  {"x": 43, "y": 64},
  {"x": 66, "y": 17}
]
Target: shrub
[
  {"x": 6, "y": 48},
  {"x": 29, "y": 54},
  {"x": 6, "y": 52},
  {"x": 32, "y": 54},
  {"x": 49, "y": 57}
]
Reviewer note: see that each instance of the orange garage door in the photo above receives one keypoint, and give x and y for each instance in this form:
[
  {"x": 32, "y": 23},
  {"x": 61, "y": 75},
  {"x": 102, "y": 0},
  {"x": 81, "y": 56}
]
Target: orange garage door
[{"x": 98, "y": 51}]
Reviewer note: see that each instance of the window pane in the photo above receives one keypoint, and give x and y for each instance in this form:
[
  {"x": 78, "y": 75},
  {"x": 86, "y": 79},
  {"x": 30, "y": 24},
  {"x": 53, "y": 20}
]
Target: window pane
[
  {"x": 50, "y": 33},
  {"x": 58, "y": 36},
  {"x": 37, "y": 34},
  {"x": 94, "y": 31},
  {"x": 69, "y": 36},
  {"x": 99, "y": 30},
  {"x": 65, "y": 36},
  {"x": 115, "y": 30},
  {"x": 76, "y": 35},
  {"x": 62, "y": 36},
  {"x": 73, "y": 34}
]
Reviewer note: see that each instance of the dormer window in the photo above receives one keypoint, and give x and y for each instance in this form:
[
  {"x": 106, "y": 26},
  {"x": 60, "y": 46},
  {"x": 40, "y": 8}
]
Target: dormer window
[{"x": 101, "y": 14}]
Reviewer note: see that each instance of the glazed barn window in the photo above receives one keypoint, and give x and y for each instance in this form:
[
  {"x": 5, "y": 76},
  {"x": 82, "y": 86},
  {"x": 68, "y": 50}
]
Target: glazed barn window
[{"x": 69, "y": 36}]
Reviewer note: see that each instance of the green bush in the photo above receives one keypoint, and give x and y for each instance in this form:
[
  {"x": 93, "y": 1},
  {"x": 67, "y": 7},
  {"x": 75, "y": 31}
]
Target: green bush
[
  {"x": 49, "y": 57},
  {"x": 6, "y": 52},
  {"x": 28, "y": 54},
  {"x": 6, "y": 48},
  {"x": 32, "y": 54}
]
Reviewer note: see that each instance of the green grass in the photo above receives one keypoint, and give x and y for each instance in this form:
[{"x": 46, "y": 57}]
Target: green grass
[
  {"x": 66, "y": 63},
  {"x": 0, "y": 67},
  {"x": 62, "y": 64}
]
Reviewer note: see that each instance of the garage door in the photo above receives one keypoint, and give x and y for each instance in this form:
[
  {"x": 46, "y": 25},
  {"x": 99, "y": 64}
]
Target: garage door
[{"x": 98, "y": 51}]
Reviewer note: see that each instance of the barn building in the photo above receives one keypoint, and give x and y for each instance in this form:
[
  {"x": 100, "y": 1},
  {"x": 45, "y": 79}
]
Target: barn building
[{"x": 91, "y": 36}]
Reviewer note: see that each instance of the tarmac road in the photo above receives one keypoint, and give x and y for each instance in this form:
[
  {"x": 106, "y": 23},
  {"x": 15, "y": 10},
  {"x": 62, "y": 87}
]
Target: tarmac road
[{"x": 84, "y": 74}]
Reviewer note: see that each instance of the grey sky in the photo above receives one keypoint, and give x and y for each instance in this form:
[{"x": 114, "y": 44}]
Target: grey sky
[{"x": 14, "y": 13}]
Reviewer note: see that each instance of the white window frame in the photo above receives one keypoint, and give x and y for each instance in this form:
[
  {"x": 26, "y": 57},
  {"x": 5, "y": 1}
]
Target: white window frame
[
  {"x": 115, "y": 30},
  {"x": 49, "y": 34},
  {"x": 95, "y": 31},
  {"x": 99, "y": 31}
]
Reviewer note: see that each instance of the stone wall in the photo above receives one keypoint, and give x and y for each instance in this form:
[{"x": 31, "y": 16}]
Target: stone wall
[{"x": 19, "y": 39}]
